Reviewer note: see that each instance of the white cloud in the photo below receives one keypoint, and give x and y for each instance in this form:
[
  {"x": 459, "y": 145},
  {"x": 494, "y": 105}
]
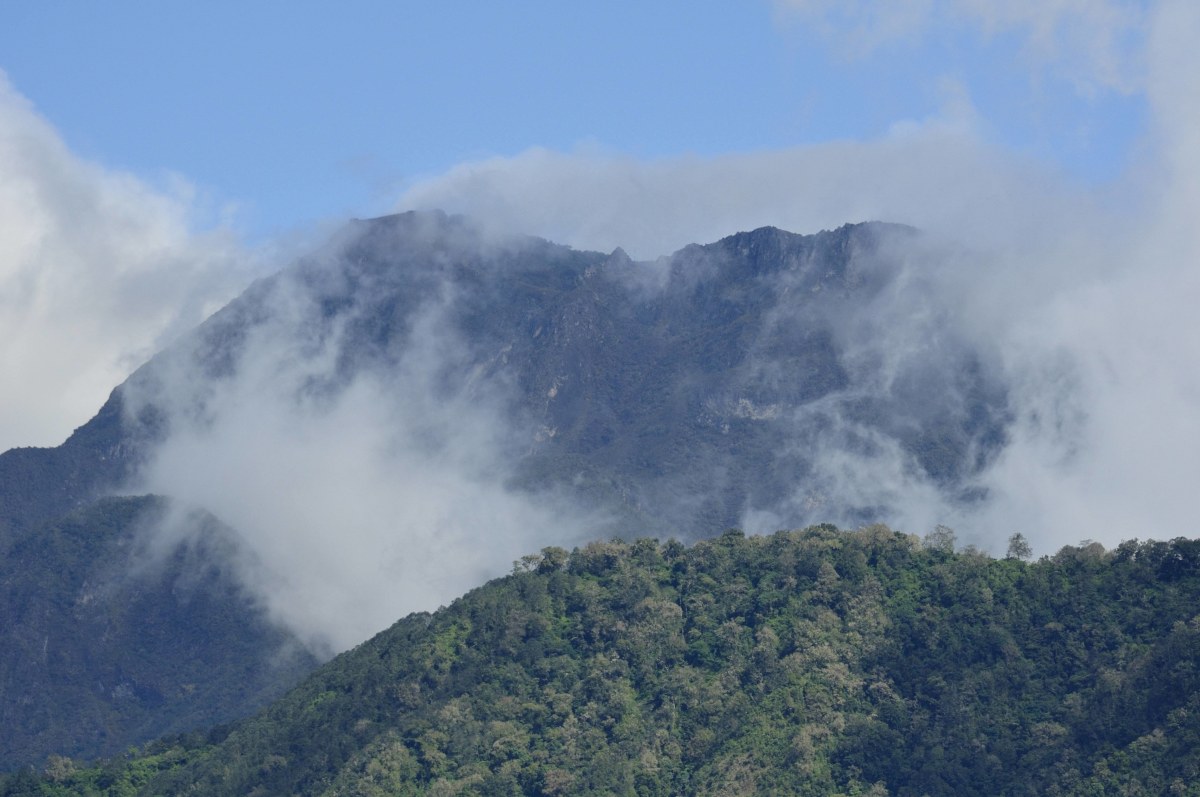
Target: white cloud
[
  {"x": 1129, "y": 329},
  {"x": 935, "y": 173},
  {"x": 346, "y": 523},
  {"x": 97, "y": 270},
  {"x": 352, "y": 514},
  {"x": 1094, "y": 44}
]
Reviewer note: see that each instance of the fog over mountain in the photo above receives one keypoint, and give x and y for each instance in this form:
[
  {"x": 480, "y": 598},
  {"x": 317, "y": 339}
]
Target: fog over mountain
[
  {"x": 406, "y": 412},
  {"x": 97, "y": 271},
  {"x": 283, "y": 442}
]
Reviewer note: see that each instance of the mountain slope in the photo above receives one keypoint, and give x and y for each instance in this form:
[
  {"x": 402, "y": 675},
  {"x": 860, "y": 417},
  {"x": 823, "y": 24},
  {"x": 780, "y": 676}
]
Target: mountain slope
[
  {"x": 37, "y": 484},
  {"x": 685, "y": 394},
  {"x": 109, "y": 642},
  {"x": 815, "y": 662},
  {"x": 739, "y": 383}
]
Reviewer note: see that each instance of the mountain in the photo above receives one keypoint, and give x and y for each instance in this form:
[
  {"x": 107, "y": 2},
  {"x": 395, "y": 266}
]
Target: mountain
[
  {"x": 684, "y": 394},
  {"x": 765, "y": 380},
  {"x": 664, "y": 385},
  {"x": 37, "y": 484},
  {"x": 812, "y": 662}
]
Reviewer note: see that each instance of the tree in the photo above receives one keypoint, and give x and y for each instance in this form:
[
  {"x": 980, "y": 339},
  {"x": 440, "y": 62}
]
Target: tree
[
  {"x": 1018, "y": 547},
  {"x": 942, "y": 538},
  {"x": 553, "y": 559}
]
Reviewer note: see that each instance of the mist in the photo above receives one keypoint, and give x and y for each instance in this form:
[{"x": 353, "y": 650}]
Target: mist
[{"x": 361, "y": 489}]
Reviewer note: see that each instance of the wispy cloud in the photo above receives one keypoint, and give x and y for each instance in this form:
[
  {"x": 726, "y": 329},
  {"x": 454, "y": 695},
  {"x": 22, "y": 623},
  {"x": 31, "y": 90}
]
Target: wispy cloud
[
  {"x": 651, "y": 208},
  {"x": 368, "y": 494},
  {"x": 1094, "y": 44}
]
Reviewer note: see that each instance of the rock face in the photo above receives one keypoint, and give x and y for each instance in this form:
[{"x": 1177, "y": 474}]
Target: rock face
[
  {"x": 686, "y": 394},
  {"x": 730, "y": 384},
  {"x": 689, "y": 391}
]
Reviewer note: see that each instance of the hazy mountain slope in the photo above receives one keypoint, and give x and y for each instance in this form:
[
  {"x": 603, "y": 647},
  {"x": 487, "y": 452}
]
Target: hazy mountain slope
[
  {"x": 41, "y": 483},
  {"x": 110, "y": 640},
  {"x": 815, "y": 662},
  {"x": 684, "y": 393}
]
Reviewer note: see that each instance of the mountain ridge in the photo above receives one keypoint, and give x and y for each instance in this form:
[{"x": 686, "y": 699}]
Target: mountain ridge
[{"x": 112, "y": 445}]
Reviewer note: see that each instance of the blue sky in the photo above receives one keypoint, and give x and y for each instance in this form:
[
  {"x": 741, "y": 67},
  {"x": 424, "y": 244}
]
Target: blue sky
[{"x": 281, "y": 114}]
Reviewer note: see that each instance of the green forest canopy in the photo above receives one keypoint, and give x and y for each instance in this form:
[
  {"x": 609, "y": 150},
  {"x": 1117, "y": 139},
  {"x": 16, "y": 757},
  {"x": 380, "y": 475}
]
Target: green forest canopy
[{"x": 811, "y": 662}]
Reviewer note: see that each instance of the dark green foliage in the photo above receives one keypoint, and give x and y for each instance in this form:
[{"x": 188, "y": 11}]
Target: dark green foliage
[
  {"x": 811, "y": 663},
  {"x": 108, "y": 643}
]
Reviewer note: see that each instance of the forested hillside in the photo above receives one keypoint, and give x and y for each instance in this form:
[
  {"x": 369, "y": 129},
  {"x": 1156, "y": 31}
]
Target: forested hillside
[
  {"x": 813, "y": 662},
  {"x": 109, "y": 640}
]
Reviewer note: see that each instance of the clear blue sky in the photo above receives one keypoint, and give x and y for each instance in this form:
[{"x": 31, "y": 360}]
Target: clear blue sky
[{"x": 297, "y": 111}]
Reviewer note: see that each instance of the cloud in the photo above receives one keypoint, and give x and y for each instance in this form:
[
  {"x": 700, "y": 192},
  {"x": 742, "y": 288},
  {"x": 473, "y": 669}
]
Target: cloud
[
  {"x": 361, "y": 495},
  {"x": 650, "y": 208},
  {"x": 1107, "y": 366},
  {"x": 1093, "y": 44},
  {"x": 97, "y": 270}
]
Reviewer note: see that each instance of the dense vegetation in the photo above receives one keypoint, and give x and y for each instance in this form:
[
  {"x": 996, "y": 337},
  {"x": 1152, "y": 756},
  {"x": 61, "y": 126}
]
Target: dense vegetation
[{"x": 816, "y": 662}]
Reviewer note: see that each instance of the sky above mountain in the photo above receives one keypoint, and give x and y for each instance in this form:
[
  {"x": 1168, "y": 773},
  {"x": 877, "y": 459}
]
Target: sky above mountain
[
  {"x": 154, "y": 160},
  {"x": 280, "y": 115}
]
